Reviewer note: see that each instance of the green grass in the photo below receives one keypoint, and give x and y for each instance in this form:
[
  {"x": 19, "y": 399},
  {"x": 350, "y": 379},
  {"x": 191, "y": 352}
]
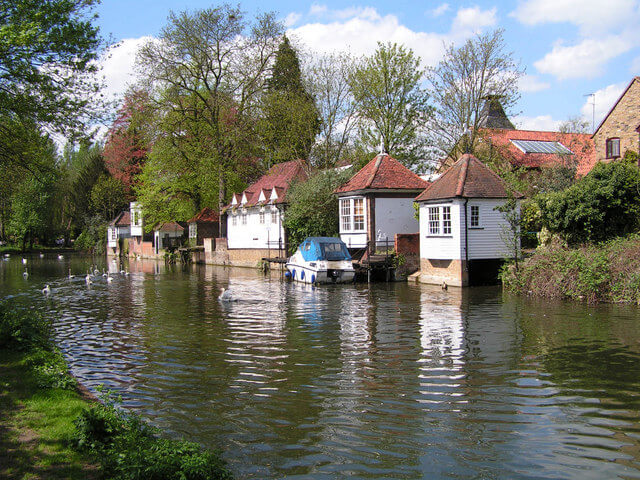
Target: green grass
[{"x": 36, "y": 425}]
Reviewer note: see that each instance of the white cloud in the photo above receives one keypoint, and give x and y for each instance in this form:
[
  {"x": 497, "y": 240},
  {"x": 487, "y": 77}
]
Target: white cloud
[
  {"x": 531, "y": 84},
  {"x": 358, "y": 30},
  {"x": 605, "y": 98},
  {"x": 291, "y": 19},
  {"x": 474, "y": 19},
  {"x": 118, "y": 66},
  {"x": 540, "y": 123},
  {"x": 440, "y": 10},
  {"x": 587, "y": 14},
  {"x": 585, "y": 59}
]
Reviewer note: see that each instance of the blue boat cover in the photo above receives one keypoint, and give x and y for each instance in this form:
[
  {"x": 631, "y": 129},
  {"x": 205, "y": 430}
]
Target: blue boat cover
[{"x": 323, "y": 248}]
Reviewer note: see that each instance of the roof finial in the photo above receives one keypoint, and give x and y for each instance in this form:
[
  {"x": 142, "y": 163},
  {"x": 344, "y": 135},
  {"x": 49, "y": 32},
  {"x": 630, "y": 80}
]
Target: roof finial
[{"x": 382, "y": 152}]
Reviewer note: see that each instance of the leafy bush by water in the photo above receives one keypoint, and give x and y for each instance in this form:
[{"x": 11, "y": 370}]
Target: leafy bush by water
[
  {"x": 128, "y": 449},
  {"x": 606, "y": 272},
  {"x": 23, "y": 329}
]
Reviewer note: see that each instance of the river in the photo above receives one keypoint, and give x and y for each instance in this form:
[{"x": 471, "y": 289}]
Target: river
[{"x": 387, "y": 380}]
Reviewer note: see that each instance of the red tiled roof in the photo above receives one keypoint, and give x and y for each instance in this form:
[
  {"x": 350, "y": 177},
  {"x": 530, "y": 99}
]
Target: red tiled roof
[
  {"x": 123, "y": 219},
  {"x": 581, "y": 144},
  {"x": 170, "y": 227},
  {"x": 206, "y": 215},
  {"x": 383, "y": 173},
  {"x": 467, "y": 178},
  {"x": 280, "y": 177}
]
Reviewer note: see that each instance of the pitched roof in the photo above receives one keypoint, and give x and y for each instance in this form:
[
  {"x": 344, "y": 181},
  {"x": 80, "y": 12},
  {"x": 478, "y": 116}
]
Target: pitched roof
[
  {"x": 580, "y": 144},
  {"x": 170, "y": 227},
  {"x": 616, "y": 104},
  {"x": 467, "y": 178},
  {"x": 492, "y": 114},
  {"x": 206, "y": 215},
  {"x": 383, "y": 173},
  {"x": 123, "y": 219},
  {"x": 280, "y": 177}
]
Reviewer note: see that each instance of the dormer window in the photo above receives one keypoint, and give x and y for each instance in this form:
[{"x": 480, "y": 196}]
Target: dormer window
[{"x": 613, "y": 147}]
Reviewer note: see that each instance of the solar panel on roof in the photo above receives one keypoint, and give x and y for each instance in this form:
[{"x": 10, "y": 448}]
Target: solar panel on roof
[{"x": 539, "y": 146}]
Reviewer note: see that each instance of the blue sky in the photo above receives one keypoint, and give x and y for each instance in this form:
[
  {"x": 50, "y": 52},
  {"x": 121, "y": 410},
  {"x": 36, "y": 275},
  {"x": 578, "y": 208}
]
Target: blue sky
[{"x": 569, "y": 48}]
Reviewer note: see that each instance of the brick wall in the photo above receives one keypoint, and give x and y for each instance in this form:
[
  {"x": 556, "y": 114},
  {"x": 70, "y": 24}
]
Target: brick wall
[
  {"x": 407, "y": 243},
  {"x": 621, "y": 123},
  {"x": 453, "y": 272}
]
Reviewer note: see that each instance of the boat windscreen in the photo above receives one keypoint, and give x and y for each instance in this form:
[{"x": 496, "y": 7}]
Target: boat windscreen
[{"x": 334, "y": 251}]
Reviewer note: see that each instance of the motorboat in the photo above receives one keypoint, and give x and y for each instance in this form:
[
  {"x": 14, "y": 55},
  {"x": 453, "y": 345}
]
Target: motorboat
[{"x": 321, "y": 260}]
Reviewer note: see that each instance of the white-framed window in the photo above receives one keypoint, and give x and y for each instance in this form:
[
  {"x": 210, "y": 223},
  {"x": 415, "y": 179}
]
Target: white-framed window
[
  {"x": 244, "y": 219},
  {"x": 474, "y": 216},
  {"x": 613, "y": 147},
  {"x": 352, "y": 217},
  {"x": 434, "y": 220},
  {"x": 193, "y": 230},
  {"x": 234, "y": 220},
  {"x": 345, "y": 214},
  {"x": 262, "y": 217},
  {"x": 274, "y": 216},
  {"x": 114, "y": 233},
  {"x": 446, "y": 220}
]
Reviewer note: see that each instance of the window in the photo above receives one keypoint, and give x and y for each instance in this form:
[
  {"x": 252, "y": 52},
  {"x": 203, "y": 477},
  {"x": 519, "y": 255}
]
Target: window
[
  {"x": 613, "y": 147},
  {"x": 262, "y": 217},
  {"x": 446, "y": 220},
  {"x": 244, "y": 218},
  {"x": 193, "y": 230},
  {"x": 234, "y": 220},
  {"x": 358, "y": 213},
  {"x": 434, "y": 220},
  {"x": 274, "y": 216},
  {"x": 113, "y": 234},
  {"x": 474, "y": 220},
  {"x": 345, "y": 214}
]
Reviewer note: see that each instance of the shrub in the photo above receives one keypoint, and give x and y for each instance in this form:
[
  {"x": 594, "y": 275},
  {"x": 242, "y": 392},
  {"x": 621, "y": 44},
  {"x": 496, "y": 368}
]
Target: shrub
[
  {"x": 50, "y": 369},
  {"x": 23, "y": 330}
]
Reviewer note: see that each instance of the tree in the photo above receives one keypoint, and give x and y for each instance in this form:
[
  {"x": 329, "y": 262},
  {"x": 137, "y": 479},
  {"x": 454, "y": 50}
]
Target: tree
[
  {"x": 575, "y": 125},
  {"x": 328, "y": 82},
  {"x": 290, "y": 122},
  {"x": 391, "y": 105},
  {"x": 313, "y": 207},
  {"x": 32, "y": 208},
  {"x": 460, "y": 84},
  {"x": 107, "y": 197},
  {"x": 206, "y": 73},
  {"x": 603, "y": 204},
  {"x": 47, "y": 61},
  {"x": 126, "y": 148}
]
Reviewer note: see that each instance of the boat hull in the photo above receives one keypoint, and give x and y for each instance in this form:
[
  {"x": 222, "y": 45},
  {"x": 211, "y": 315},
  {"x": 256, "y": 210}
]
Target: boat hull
[{"x": 309, "y": 274}]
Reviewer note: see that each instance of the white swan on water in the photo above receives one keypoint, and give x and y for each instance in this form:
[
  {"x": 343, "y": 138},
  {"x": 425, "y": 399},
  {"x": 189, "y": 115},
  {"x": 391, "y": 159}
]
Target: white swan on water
[
  {"x": 225, "y": 295},
  {"x": 46, "y": 290},
  {"x": 25, "y": 274},
  {"x": 87, "y": 279}
]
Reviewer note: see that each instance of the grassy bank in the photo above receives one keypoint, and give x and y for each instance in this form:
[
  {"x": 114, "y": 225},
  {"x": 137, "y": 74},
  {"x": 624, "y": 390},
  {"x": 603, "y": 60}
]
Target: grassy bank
[
  {"x": 49, "y": 430},
  {"x": 606, "y": 272}
]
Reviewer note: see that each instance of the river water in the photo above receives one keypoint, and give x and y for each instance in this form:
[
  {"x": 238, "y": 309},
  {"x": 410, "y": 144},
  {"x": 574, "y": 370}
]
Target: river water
[{"x": 365, "y": 381}]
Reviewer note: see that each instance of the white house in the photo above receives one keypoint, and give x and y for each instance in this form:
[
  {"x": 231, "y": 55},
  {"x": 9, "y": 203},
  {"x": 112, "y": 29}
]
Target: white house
[
  {"x": 377, "y": 203},
  {"x": 255, "y": 216},
  {"x": 463, "y": 237},
  {"x": 118, "y": 229}
]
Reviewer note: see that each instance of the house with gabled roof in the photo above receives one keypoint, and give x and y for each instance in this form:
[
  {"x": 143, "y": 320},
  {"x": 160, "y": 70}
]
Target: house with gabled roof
[
  {"x": 254, "y": 218},
  {"x": 204, "y": 224},
  {"x": 377, "y": 203},
  {"x": 619, "y": 131},
  {"x": 464, "y": 238},
  {"x": 117, "y": 231}
]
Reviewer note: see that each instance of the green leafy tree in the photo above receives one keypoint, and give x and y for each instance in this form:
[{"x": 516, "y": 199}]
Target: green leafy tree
[
  {"x": 602, "y": 205},
  {"x": 32, "y": 209},
  {"x": 47, "y": 61},
  {"x": 313, "y": 207},
  {"x": 290, "y": 122},
  {"x": 461, "y": 84},
  {"x": 107, "y": 197}
]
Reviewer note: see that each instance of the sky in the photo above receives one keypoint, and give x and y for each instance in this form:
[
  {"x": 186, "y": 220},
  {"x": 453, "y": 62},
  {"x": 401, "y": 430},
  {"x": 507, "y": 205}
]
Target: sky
[{"x": 569, "y": 49}]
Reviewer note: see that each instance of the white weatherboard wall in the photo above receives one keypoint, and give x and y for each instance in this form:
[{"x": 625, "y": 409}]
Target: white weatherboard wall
[
  {"x": 485, "y": 242},
  {"x": 394, "y": 215},
  {"x": 254, "y": 234}
]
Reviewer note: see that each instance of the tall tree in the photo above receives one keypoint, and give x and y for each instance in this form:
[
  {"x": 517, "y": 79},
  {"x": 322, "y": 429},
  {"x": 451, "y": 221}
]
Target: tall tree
[
  {"x": 391, "y": 104},
  {"x": 328, "y": 82},
  {"x": 47, "y": 60},
  {"x": 461, "y": 83},
  {"x": 206, "y": 72},
  {"x": 291, "y": 120}
]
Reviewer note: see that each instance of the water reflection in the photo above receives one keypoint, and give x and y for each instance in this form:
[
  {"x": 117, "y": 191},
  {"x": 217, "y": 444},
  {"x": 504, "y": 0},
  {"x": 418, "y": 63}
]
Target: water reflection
[{"x": 369, "y": 381}]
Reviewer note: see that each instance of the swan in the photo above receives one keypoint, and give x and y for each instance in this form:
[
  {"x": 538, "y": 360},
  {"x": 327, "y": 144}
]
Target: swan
[
  {"x": 60, "y": 257},
  {"x": 96, "y": 272},
  {"x": 87, "y": 279},
  {"x": 41, "y": 255},
  {"x": 25, "y": 274},
  {"x": 7, "y": 255},
  {"x": 225, "y": 295},
  {"x": 24, "y": 261},
  {"x": 70, "y": 276},
  {"x": 104, "y": 273},
  {"x": 46, "y": 290},
  {"x": 109, "y": 278}
]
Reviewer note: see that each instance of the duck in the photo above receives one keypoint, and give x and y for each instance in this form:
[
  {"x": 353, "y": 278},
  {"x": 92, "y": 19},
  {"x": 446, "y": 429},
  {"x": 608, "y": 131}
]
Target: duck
[
  {"x": 444, "y": 285},
  {"x": 46, "y": 290},
  {"x": 25, "y": 274},
  {"x": 225, "y": 295}
]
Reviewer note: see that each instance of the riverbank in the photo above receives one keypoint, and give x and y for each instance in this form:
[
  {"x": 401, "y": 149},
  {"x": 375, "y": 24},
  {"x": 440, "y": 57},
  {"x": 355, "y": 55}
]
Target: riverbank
[
  {"x": 606, "y": 272},
  {"x": 50, "y": 428}
]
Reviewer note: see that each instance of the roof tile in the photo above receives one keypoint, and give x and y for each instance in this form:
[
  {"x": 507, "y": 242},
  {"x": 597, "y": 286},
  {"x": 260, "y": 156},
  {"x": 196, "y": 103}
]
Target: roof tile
[
  {"x": 383, "y": 173},
  {"x": 206, "y": 215}
]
